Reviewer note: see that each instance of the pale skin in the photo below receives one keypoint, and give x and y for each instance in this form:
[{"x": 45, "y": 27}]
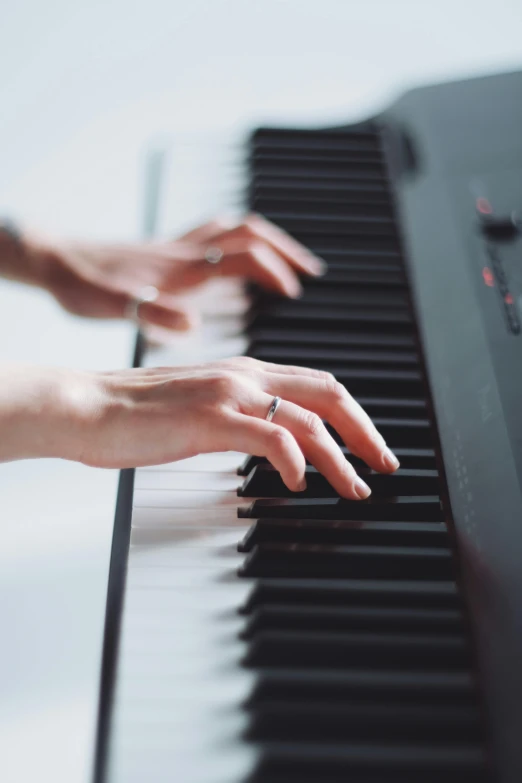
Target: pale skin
[{"x": 130, "y": 418}]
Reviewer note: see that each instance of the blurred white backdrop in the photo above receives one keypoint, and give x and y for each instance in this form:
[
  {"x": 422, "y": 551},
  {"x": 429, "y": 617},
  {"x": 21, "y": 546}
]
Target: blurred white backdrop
[{"x": 83, "y": 87}]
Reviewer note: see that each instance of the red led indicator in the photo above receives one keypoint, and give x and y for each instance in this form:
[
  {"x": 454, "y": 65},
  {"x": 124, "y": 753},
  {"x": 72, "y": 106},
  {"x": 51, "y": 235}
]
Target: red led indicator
[
  {"x": 508, "y": 299},
  {"x": 484, "y": 206},
  {"x": 487, "y": 274}
]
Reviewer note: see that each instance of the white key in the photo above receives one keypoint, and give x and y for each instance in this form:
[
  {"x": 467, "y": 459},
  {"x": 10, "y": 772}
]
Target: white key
[{"x": 177, "y": 703}]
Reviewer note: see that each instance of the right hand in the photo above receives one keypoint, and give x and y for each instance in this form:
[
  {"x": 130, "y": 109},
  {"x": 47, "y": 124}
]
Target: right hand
[{"x": 139, "y": 417}]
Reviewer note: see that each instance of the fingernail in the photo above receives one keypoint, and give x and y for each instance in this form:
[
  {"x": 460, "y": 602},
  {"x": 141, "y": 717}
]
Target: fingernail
[
  {"x": 390, "y": 461},
  {"x": 302, "y": 485},
  {"x": 184, "y": 323},
  {"x": 362, "y": 490},
  {"x": 294, "y": 292},
  {"x": 316, "y": 267}
]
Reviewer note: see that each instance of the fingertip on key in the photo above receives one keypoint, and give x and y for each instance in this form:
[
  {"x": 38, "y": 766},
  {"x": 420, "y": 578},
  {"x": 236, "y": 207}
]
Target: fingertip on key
[
  {"x": 294, "y": 292},
  {"x": 316, "y": 267},
  {"x": 389, "y": 460},
  {"x": 362, "y": 490}
]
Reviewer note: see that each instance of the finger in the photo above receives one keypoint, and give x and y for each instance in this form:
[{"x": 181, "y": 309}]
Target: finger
[
  {"x": 260, "y": 263},
  {"x": 290, "y": 369},
  {"x": 264, "y": 439},
  {"x": 319, "y": 447},
  {"x": 331, "y": 401},
  {"x": 168, "y": 314},
  {"x": 293, "y": 252},
  {"x": 209, "y": 231},
  {"x": 255, "y": 261}
]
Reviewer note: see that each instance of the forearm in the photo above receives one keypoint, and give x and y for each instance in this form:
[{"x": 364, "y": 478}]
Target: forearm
[
  {"x": 23, "y": 258},
  {"x": 39, "y": 413}
]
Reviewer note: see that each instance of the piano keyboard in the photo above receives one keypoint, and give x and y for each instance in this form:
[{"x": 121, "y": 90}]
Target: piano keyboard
[
  {"x": 277, "y": 637},
  {"x": 259, "y": 636}
]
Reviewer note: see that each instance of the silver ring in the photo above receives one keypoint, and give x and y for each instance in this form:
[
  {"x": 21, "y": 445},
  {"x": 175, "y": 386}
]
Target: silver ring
[
  {"x": 214, "y": 255},
  {"x": 148, "y": 293},
  {"x": 276, "y": 402}
]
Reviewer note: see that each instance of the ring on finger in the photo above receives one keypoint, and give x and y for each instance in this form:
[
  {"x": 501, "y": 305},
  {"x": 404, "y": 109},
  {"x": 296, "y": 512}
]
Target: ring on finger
[
  {"x": 276, "y": 402},
  {"x": 148, "y": 293},
  {"x": 213, "y": 255}
]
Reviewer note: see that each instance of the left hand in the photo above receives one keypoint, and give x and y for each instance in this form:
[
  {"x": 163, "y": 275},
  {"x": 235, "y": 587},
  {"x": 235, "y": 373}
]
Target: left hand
[{"x": 98, "y": 281}]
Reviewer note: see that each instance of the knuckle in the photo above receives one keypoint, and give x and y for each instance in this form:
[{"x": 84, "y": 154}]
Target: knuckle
[
  {"x": 224, "y": 385},
  {"x": 255, "y": 248},
  {"x": 331, "y": 385},
  {"x": 248, "y": 228},
  {"x": 280, "y": 440},
  {"x": 253, "y": 221},
  {"x": 336, "y": 389},
  {"x": 218, "y": 224},
  {"x": 312, "y": 424},
  {"x": 248, "y": 367},
  {"x": 247, "y": 362}
]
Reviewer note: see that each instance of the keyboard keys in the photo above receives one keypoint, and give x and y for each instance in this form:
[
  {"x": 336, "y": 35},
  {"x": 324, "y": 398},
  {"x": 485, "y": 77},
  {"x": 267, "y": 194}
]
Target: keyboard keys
[
  {"x": 325, "y": 531},
  {"x": 354, "y": 625},
  {"x": 329, "y": 561},
  {"x": 265, "y": 481},
  {"x": 352, "y": 618},
  {"x": 421, "y": 459},
  {"x": 402, "y": 508},
  {"x": 314, "y": 649}
]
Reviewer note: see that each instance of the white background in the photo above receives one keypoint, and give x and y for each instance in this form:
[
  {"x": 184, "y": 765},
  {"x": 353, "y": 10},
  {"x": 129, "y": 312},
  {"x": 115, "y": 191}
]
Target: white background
[{"x": 83, "y": 86}]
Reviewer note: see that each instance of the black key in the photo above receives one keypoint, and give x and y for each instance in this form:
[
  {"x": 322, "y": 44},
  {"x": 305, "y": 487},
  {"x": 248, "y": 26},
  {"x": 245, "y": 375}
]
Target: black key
[
  {"x": 273, "y": 204},
  {"x": 366, "y": 381},
  {"x": 408, "y": 433},
  {"x": 342, "y": 258},
  {"x": 352, "y": 618},
  {"x": 353, "y": 592},
  {"x": 329, "y": 338},
  {"x": 363, "y": 140},
  {"x": 362, "y": 382},
  {"x": 393, "y": 407},
  {"x": 305, "y": 650},
  {"x": 356, "y": 274},
  {"x": 328, "y": 531},
  {"x": 266, "y": 192},
  {"x": 311, "y": 173},
  {"x": 376, "y": 762},
  {"x": 284, "y": 315},
  {"x": 400, "y": 509},
  {"x": 381, "y": 721},
  {"x": 308, "y": 356},
  {"x": 417, "y": 459},
  {"x": 319, "y": 561},
  {"x": 340, "y": 296},
  {"x": 362, "y": 685},
  {"x": 337, "y": 225},
  {"x": 266, "y": 481},
  {"x": 398, "y": 432},
  {"x": 323, "y": 155},
  {"x": 323, "y": 244}
]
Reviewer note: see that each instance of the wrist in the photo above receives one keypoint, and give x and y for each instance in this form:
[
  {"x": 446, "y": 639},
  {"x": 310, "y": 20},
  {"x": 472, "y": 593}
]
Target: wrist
[
  {"x": 42, "y": 412},
  {"x": 26, "y": 257}
]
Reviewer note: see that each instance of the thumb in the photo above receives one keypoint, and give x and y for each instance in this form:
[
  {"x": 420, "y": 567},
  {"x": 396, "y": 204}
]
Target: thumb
[{"x": 169, "y": 313}]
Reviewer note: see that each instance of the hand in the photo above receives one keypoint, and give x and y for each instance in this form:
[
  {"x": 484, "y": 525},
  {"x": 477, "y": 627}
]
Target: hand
[
  {"x": 154, "y": 416},
  {"x": 98, "y": 281}
]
